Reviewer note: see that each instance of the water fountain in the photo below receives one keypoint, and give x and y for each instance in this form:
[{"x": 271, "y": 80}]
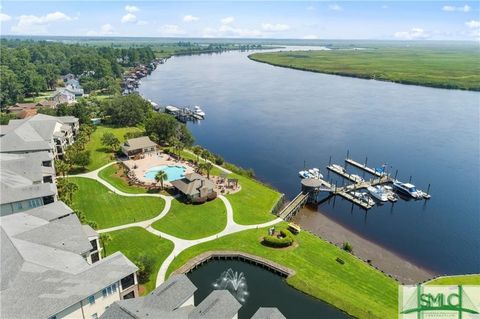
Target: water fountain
[{"x": 234, "y": 282}]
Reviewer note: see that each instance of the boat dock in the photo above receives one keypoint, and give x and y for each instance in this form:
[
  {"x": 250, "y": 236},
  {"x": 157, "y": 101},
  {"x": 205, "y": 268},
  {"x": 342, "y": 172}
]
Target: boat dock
[
  {"x": 364, "y": 167},
  {"x": 311, "y": 187},
  {"x": 183, "y": 114}
]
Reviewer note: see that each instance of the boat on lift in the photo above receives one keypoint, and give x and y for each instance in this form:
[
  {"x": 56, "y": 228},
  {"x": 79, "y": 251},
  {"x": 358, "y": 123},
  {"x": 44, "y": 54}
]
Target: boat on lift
[
  {"x": 363, "y": 197},
  {"x": 390, "y": 193},
  {"x": 197, "y": 110},
  {"x": 356, "y": 178}
]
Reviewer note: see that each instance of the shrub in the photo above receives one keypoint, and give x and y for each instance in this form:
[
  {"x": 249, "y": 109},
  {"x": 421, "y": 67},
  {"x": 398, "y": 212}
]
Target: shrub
[
  {"x": 145, "y": 265},
  {"x": 347, "y": 247},
  {"x": 284, "y": 240}
]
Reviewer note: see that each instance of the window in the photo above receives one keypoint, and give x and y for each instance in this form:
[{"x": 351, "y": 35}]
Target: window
[
  {"x": 114, "y": 287},
  {"x": 109, "y": 290},
  {"x": 128, "y": 281},
  {"x": 91, "y": 299},
  {"x": 104, "y": 292},
  {"x": 53, "y": 317},
  {"x": 94, "y": 316}
]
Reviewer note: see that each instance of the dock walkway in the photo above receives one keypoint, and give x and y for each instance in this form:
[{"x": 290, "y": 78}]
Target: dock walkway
[
  {"x": 364, "y": 167},
  {"x": 292, "y": 208}
]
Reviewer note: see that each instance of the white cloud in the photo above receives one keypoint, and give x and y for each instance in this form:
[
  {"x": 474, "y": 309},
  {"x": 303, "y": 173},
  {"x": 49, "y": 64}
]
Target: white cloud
[
  {"x": 106, "y": 29},
  {"x": 275, "y": 27},
  {"x": 5, "y": 17},
  {"x": 170, "y": 30},
  {"x": 310, "y": 37},
  {"x": 190, "y": 18},
  {"x": 131, "y": 9},
  {"x": 473, "y": 24},
  {"x": 227, "y": 20},
  {"x": 335, "y": 7},
  {"x": 230, "y": 31},
  {"x": 465, "y": 8},
  {"x": 412, "y": 34},
  {"x": 38, "y": 24},
  {"x": 129, "y": 18}
]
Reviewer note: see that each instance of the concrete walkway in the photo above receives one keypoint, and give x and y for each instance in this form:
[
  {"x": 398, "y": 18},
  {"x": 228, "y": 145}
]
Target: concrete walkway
[{"x": 179, "y": 244}]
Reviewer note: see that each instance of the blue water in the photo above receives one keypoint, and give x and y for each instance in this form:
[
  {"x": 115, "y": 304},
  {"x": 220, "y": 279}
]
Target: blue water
[
  {"x": 173, "y": 172},
  {"x": 273, "y": 119}
]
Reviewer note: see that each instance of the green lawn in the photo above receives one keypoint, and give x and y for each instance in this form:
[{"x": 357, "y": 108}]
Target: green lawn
[
  {"x": 456, "y": 280},
  {"x": 99, "y": 154},
  {"x": 107, "y": 209},
  {"x": 190, "y": 221},
  {"x": 253, "y": 203},
  {"x": 354, "y": 287},
  {"x": 454, "y": 67},
  {"x": 110, "y": 174},
  {"x": 133, "y": 242}
]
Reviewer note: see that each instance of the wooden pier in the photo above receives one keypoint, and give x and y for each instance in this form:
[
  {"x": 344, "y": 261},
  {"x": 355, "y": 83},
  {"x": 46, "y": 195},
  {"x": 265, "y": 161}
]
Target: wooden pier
[
  {"x": 364, "y": 167},
  {"x": 294, "y": 206},
  {"x": 343, "y": 173}
]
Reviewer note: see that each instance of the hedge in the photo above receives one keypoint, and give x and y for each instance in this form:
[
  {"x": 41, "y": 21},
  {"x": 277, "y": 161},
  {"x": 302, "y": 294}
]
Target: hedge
[{"x": 285, "y": 240}]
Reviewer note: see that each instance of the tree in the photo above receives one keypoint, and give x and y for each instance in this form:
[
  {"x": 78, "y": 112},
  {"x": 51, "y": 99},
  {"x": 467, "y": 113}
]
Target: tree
[
  {"x": 160, "y": 177},
  {"x": 61, "y": 167},
  {"x": 11, "y": 88},
  {"x": 66, "y": 189},
  {"x": 197, "y": 150},
  {"x": 105, "y": 239},
  {"x": 128, "y": 110},
  {"x": 110, "y": 140},
  {"x": 145, "y": 264},
  {"x": 81, "y": 158},
  {"x": 162, "y": 126}
]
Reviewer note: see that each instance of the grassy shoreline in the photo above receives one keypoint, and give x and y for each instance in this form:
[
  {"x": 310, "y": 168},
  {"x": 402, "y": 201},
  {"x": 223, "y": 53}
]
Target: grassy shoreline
[{"x": 449, "y": 71}]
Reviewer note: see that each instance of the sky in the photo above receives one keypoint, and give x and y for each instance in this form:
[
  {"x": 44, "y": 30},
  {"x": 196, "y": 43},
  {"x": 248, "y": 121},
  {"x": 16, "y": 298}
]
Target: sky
[{"x": 392, "y": 20}]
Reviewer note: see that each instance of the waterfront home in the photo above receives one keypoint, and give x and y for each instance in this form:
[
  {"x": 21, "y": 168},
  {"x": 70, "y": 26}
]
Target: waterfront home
[
  {"x": 64, "y": 96},
  {"x": 26, "y": 181},
  {"x": 39, "y": 133},
  {"x": 139, "y": 146},
  {"x": 195, "y": 188},
  {"x": 48, "y": 267}
]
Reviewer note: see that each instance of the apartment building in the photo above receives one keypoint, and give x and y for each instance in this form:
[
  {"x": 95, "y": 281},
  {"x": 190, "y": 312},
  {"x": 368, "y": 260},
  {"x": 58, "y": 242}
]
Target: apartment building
[
  {"x": 49, "y": 267},
  {"x": 39, "y": 133}
]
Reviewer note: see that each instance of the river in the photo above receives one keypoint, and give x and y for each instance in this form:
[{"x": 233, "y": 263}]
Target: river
[{"x": 275, "y": 119}]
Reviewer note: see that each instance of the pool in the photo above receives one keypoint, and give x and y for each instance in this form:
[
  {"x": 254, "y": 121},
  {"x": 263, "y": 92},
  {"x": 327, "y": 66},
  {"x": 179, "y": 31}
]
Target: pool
[{"x": 173, "y": 172}]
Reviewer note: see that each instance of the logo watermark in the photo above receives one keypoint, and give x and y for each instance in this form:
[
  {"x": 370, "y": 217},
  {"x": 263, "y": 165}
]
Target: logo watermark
[{"x": 439, "y": 302}]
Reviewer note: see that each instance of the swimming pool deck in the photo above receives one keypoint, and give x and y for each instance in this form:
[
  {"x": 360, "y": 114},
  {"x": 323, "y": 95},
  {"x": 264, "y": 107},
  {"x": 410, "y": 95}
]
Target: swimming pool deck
[{"x": 141, "y": 166}]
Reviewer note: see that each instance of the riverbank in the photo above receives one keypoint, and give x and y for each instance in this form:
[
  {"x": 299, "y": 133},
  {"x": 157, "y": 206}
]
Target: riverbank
[
  {"x": 440, "y": 67},
  {"x": 380, "y": 257}
]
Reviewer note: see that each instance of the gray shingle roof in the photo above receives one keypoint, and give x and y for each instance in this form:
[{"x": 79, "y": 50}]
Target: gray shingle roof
[
  {"x": 138, "y": 143},
  {"x": 32, "y": 134},
  {"x": 40, "y": 276},
  {"x": 220, "y": 304},
  {"x": 51, "y": 211},
  {"x": 268, "y": 313},
  {"x": 192, "y": 183}
]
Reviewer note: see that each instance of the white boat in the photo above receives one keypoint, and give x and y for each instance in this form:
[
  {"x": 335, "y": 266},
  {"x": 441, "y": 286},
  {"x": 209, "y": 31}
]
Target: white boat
[
  {"x": 356, "y": 178},
  {"x": 197, "y": 110},
  {"x": 378, "y": 192},
  {"x": 408, "y": 189},
  {"x": 338, "y": 168},
  {"x": 364, "y": 197},
  {"x": 390, "y": 193},
  {"x": 303, "y": 174}
]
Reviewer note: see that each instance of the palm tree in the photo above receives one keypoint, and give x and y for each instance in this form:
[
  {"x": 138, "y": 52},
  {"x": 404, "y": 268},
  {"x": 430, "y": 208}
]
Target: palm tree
[
  {"x": 104, "y": 239},
  {"x": 160, "y": 177},
  {"x": 208, "y": 167},
  {"x": 201, "y": 168}
]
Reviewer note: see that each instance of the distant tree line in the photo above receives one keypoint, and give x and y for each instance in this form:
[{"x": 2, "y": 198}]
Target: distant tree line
[{"x": 29, "y": 67}]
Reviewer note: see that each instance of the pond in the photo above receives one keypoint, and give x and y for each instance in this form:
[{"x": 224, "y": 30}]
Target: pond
[{"x": 264, "y": 289}]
